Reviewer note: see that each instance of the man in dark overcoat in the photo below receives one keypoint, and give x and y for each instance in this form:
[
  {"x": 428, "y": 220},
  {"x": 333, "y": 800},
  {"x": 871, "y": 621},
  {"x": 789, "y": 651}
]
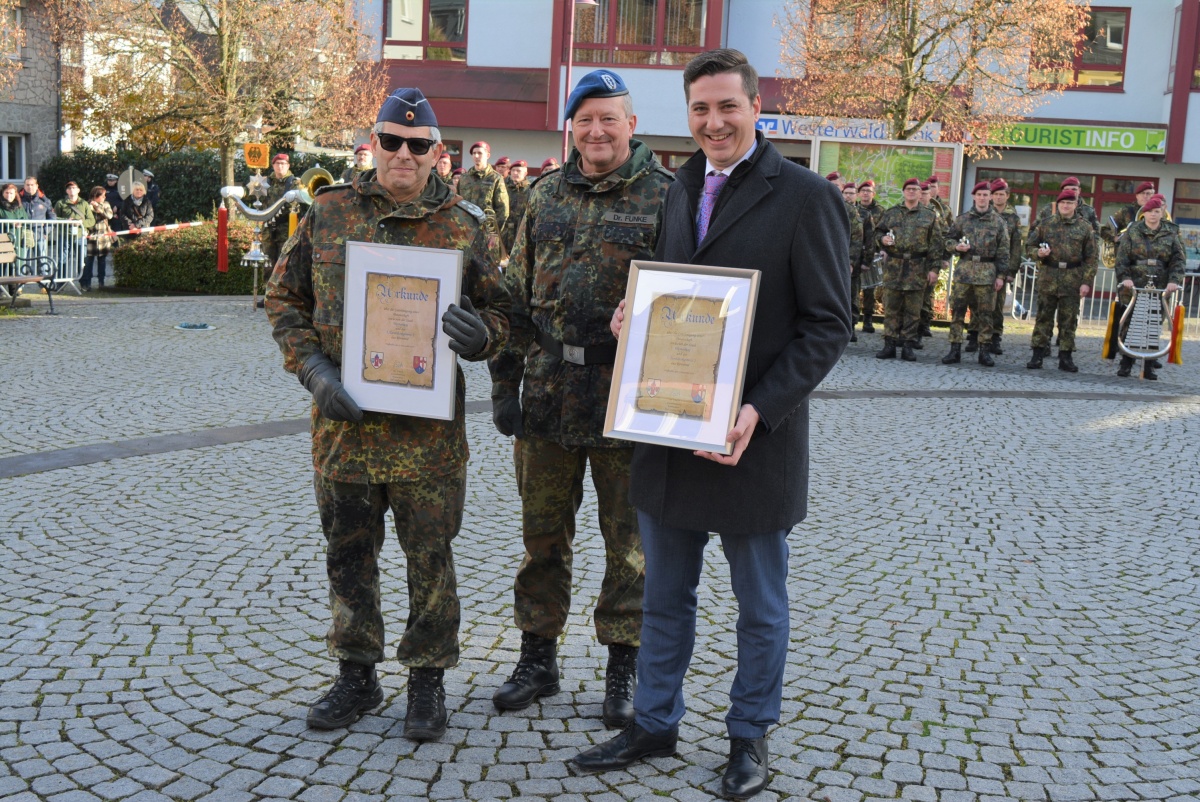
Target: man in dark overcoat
[{"x": 738, "y": 202}]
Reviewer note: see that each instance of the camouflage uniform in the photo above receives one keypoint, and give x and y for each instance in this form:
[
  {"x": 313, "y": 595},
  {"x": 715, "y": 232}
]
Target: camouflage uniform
[
  {"x": 485, "y": 188},
  {"x": 275, "y": 232},
  {"x": 916, "y": 252},
  {"x": 518, "y": 197},
  {"x": 568, "y": 271},
  {"x": 1139, "y": 247},
  {"x": 416, "y": 466},
  {"x": 857, "y": 232},
  {"x": 947, "y": 219},
  {"x": 1008, "y": 272},
  {"x": 1083, "y": 210},
  {"x": 976, "y": 271},
  {"x": 1071, "y": 263},
  {"x": 870, "y": 219}
]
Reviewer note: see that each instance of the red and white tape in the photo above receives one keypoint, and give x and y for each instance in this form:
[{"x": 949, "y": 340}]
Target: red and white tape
[{"x": 150, "y": 230}]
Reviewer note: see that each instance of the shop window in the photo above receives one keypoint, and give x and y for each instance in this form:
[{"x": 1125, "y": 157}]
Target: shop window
[
  {"x": 1099, "y": 61},
  {"x": 644, "y": 32},
  {"x": 429, "y": 30}
]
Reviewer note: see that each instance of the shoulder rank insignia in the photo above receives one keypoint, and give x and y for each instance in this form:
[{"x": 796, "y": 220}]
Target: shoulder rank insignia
[{"x": 473, "y": 210}]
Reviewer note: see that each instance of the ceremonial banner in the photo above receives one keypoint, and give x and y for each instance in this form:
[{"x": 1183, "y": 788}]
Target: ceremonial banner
[
  {"x": 258, "y": 155},
  {"x": 395, "y": 357},
  {"x": 681, "y": 359}
]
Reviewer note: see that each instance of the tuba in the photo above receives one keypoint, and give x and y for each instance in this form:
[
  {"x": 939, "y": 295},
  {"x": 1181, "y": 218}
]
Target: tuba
[
  {"x": 1140, "y": 335},
  {"x": 313, "y": 179}
]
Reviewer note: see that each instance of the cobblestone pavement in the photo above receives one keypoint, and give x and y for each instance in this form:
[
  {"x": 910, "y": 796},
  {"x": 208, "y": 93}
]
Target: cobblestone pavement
[{"x": 996, "y": 594}]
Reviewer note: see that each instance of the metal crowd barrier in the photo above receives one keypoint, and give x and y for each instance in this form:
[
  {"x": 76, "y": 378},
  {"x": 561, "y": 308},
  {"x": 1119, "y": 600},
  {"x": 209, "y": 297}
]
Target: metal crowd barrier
[{"x": 61, "y": 241}]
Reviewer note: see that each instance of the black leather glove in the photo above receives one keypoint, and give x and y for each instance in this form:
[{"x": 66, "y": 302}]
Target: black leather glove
[
  {"x": 323, "y": 379},
  {"x": 467, "y": 333},
  {"x": 506, "y": 414}
]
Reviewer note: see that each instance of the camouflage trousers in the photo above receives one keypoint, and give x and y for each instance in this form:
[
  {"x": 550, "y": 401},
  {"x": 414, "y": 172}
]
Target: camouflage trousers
[
  {"x": 980, "y": 299},
  {"x": 902, "y": 314},
  {"x": 1049, "y": 307},
  {"x": 550, "y": 482},
  {"x": 865, "y": 309},
  {"x": 927, "y": 305},
  {"x": 997, "y": 314},
  {"x": 428, "y": 514}
]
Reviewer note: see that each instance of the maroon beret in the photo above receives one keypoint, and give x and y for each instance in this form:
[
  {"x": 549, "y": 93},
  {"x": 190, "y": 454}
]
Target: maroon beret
[
  {"x": 1153, "y": 203},
  {"x": 999, "y": 184},
  {"x": 503, "y": 160},
  {"x": 1142, "y": 187},
  {"x": 982, "y": 186},
  {"x": 867, "y": 183},
  {"x": 480, "y": 144},
  {"x": 551, "y": 162},
  {"x": 1070, "y": 181},
  {"x": 834, "y": 176},
  {"x": 925, "y": 186},
  {"x": 520, "y": 163},
  {"x": 1068, "y": 193},
  {"x": 911, "y": 182},
  {"x": 361, "y": 148},
  {"x": 280, "y": 157},
  {"x": 933, "y": 179}
]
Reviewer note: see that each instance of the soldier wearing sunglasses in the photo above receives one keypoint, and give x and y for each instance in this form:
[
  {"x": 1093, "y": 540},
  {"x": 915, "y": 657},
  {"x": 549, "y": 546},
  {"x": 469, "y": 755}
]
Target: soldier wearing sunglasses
[{"x": 368, "y": 462}]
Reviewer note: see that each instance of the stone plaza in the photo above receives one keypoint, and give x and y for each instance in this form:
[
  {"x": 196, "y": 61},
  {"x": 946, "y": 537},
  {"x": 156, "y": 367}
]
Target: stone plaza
[{"x": 996, "y": 594}]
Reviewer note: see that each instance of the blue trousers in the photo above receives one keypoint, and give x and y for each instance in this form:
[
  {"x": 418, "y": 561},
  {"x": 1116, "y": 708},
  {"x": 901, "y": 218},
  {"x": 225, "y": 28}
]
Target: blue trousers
[{"x": 758, "y": 570}]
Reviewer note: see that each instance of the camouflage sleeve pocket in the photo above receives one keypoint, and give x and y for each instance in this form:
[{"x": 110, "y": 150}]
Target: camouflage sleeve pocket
[
  {"x": 550, "y": 231},
  {"x": 328, "y": 280},
  {"x": 637, "y": 237}
]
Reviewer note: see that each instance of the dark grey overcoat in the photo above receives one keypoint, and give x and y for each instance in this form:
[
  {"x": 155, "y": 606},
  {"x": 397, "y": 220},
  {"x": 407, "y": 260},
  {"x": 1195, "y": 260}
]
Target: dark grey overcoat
[{"x": 790, "y": 223}]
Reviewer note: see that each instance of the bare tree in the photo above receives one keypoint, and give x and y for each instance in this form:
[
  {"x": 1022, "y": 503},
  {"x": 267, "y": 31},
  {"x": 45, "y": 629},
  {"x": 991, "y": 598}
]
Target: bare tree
[
  {"x": 971, "y": 65},
  {"x": 203, "y": 71}
]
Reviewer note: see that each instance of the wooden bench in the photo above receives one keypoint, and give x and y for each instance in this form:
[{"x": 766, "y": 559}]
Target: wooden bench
[{"x": 30, "y": 270}]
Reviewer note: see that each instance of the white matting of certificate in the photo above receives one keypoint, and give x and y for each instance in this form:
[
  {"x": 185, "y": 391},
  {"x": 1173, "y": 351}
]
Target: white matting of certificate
[
  {"x": 681, "y": 359},
  {"x": 395, "y": 357}
]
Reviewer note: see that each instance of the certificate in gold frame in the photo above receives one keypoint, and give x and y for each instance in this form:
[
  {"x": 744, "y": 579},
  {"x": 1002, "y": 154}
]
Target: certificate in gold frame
[
  {"x": 681, "y": 359},
  {"x": 395, "y": 357}
]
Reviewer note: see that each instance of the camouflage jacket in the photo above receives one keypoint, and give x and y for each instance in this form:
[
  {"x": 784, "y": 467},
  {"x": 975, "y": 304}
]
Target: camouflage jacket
[
  {"x": 856, "y": 235},
  {"x": 1072, "y": 244},
  {"x": 1016, "y": 249},
  {"x": 305, "y": 302},
  {"x": 1139, "y": 245},
  {"x": 518, "y": 197},
  {"x": 567, "y": 272},
  {"x": 870, "y": 219},
  {"x": 988, "y": 237},
  {"x": 275, "y": 230},
  {"x": 943, "y": 210},
  {"x": 919, "y": 246},
  {"x": 1125, "y": 217},
  {"x": 485, "y": 188}
]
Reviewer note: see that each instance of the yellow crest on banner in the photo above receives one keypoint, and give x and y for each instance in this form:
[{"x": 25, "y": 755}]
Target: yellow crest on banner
[{"x": 258, "y": 155}]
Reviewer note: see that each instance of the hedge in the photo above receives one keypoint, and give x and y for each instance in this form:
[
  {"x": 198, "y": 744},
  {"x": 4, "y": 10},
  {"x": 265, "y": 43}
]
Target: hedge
[
  {"x": 184, "y": 260},
  {"x": 189, "y": 179}
]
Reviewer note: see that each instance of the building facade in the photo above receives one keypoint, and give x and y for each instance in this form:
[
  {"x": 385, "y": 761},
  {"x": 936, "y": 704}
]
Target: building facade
[{"x": 29, "y": 109}]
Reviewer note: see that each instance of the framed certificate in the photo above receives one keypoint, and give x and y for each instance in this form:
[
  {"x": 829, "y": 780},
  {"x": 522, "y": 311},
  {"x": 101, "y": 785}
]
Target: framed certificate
[
  {"x": 681, "y": 359},
  {"x": 395, "y": 357}
]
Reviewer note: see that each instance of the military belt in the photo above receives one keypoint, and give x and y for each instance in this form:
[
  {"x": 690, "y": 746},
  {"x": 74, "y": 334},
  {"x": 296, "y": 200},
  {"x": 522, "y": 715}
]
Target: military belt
[
  {"x": 908, "y": 257},
  {"x": 602, "y": 354},
  {"x": 1148, "y": 262},
  {"x": 1064, "y": 265},
  {"x": 982, "y": 260}
]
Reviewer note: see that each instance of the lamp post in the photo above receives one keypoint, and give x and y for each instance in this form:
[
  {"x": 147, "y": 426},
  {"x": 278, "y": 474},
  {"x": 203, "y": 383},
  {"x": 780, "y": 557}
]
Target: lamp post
[{"x": 570, "y": 60}]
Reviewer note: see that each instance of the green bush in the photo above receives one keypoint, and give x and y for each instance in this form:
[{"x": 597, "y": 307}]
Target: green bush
[
  {"x": 185, "y": 260},
  {"x": 189, "y": 179}
]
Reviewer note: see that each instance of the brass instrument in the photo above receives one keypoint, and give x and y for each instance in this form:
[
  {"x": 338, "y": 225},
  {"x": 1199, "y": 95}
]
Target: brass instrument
[
  {"x": 1140, "y": 335},
  {"x": 313, "y": 179}
]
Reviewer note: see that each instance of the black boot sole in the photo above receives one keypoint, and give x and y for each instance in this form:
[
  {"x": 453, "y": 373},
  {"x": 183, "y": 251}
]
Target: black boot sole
[
  {"x": 317, "y": 721},
  {"x": 545, "y": 690},
  {"x": 424, "y": 733}
]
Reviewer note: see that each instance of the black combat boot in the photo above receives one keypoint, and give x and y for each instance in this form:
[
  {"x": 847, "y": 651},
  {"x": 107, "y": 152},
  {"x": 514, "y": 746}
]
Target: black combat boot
[
  {"x": 1035, "y": 361},
  {"x": 888, "y": 351},
  {"x": 985, "y": 358},
  {"x": 925, "y": 331},
  {"x": 355, "y": 692},
  {"x": 1154, "y": 363},
  {"x": 536, "y": 674},
  {"x": 1126, "y": 366},
  {"x": 853, "y": 335},
  {"x": 426, "y": 716},
  {"x": 996, "y": 345},
  {"x": 1066, "y": 363},
  {"x": 972, "y": 342},
  {"x": 906, "y": 353},
  {"x": 1148, "y": 371},
  {"x": 955, "y": 355},
  {"x": 620, "y": 681},
  {"x": 868, "y": 326}
]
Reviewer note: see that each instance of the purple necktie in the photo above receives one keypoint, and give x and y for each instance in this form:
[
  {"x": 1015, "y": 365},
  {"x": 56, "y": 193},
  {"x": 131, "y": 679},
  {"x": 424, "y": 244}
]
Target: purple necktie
[{"x": 708, "y": 201}]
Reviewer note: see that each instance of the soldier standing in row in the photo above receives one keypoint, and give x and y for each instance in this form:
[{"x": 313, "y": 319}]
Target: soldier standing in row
[
  {"x": 568, "y": 271},
  {"x": 850, "y": 198},
  {"x": 444, "y": 169},
  {"x": 1149, "y": 252},
  {"x": 275, "y": 231},
  {"x": 1065, "y": 246},
  {"x": 980, "y": 238},
  {"x": 870, "y": 212},
  {"x": 363, "y": 161},
  {"x": 912, "y": 237},
  {"x": 368, "y": 462},
  {"x": 503, "y": 165},
  {"x": 484, "y": 187},
  {"x": 1007, "y": 273},
  {"x": 1129, "y": 212},
  {"x": 518, "y": 197},
  {"x": 946, "y": 216},
  {"x": 1083, "y": 209},
  {"x": 549, "y": 165}
]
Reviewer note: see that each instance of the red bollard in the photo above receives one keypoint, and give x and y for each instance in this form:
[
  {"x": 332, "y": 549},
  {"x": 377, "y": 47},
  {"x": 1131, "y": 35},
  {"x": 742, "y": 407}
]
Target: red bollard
[{"x": 222, "y": 240}]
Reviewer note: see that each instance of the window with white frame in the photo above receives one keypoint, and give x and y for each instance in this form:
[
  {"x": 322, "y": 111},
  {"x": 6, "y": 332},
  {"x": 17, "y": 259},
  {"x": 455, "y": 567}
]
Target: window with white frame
[{"x": 12, "y": 157}]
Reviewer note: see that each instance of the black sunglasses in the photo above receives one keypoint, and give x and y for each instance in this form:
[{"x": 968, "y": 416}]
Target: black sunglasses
[{"x": 416, "y": 145}]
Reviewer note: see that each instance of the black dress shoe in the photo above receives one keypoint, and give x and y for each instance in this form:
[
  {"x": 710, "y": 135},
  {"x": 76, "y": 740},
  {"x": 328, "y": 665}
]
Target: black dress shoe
[
  {"x": 632, "y": 745},
  {"x": 747, "y": 773}
]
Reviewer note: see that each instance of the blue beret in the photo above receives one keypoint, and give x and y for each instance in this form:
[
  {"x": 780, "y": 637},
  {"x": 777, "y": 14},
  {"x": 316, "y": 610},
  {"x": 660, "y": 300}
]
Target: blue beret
[
  {"x": 407, "y": 107},
  {"x": 597, "y": 83}
]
